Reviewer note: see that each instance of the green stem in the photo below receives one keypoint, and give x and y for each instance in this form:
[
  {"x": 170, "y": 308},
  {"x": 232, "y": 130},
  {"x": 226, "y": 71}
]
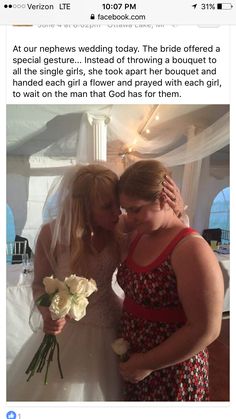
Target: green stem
[
  {"x": 43, "y": 355},
  {"x": 36, "y": 355},
  {"x": 50, "y": 358},
  {"x": 58, "y": 359}
]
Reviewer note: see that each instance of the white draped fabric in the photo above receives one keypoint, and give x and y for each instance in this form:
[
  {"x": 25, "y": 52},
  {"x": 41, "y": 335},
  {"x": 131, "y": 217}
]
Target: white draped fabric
[
  {"x": 207, "y": 142},
  {"x": 98, "y": 133},
  {"x": 203, "y": 144},
  {"x": 62, "y": 131},
  {"x": 191, "y": 178}
]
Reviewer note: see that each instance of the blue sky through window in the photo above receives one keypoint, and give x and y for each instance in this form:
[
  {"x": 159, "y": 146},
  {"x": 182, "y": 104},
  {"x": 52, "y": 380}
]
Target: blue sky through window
[{"x": 219, "y": 215}]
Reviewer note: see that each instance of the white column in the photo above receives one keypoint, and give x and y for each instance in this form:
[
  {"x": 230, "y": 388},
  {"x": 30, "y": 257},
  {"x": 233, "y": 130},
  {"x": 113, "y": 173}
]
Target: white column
[
  {"x": 191, "y": 177},
  {"x": 99, "y": 137}
]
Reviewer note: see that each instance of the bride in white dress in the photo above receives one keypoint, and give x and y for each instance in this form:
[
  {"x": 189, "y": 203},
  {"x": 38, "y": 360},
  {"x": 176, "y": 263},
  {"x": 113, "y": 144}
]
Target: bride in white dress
[{"x": 82, "y": 240}]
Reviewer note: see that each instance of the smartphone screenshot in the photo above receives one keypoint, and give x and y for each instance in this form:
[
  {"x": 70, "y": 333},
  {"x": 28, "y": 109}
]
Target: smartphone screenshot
[{"x": 117, "y": 127}]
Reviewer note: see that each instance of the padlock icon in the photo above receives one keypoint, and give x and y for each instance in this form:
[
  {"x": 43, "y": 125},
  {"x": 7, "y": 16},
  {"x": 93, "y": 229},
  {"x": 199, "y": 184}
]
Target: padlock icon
[{"x": 92, "y": 16}]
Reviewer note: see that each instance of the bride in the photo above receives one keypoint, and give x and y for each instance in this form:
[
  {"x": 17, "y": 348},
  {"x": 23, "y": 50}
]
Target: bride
[{"x": 83, "y": 239}]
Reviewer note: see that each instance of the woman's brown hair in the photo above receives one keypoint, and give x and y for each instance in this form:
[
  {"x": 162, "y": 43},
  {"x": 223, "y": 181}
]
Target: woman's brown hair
[{"x": 143, "y": 180}]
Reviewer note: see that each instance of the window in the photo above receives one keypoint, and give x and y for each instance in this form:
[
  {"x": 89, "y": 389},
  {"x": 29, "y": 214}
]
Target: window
[{"x": 219, "y": 215}]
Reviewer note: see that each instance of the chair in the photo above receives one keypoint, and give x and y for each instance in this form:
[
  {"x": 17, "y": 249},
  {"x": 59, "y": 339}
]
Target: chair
[
  {"x": 225, "y": 236},
  {"x": 212, "y": 234},
  {"x": 23, "y": 239},
  {"x": 16, "y": 251}
]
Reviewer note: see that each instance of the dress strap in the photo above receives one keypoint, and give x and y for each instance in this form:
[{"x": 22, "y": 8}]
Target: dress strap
[
  {"x": 164, "y": 254},
  {"x": 181, "y": 235}
]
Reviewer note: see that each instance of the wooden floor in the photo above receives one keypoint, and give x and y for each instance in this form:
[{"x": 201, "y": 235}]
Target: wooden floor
[{"x": 219, "y": 365}]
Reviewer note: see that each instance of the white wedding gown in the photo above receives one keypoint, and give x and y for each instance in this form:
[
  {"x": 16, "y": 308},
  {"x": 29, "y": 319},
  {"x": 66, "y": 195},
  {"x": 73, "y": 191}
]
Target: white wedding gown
[{"x": 89, "y": 366}]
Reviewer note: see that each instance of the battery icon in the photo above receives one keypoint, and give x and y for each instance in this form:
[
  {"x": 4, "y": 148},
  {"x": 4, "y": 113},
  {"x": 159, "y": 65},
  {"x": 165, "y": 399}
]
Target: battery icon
[{"x": 224, "y": 6}]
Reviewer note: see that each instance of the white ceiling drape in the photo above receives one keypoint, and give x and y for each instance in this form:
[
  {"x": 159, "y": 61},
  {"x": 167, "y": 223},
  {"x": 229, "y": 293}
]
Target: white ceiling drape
[
  {"x": 62, "y": 132},
  {"x": 207, "y": 142},
  {"x": 131, "y": 132}
]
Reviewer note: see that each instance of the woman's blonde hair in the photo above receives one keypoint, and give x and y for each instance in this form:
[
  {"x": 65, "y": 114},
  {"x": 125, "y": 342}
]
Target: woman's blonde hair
[
  {"x": 80, "y": 189},
  {"x": 143, "y": 180}
]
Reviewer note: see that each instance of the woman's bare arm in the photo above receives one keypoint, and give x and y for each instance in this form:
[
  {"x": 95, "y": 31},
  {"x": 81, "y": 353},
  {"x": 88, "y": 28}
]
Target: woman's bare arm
[
  {"x": 42, "y": 268},
  {"x": 42, "y": 265}
]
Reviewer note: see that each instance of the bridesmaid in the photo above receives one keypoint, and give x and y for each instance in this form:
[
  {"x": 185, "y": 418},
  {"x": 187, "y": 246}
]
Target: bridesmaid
[{"x": 173, "y": 295}]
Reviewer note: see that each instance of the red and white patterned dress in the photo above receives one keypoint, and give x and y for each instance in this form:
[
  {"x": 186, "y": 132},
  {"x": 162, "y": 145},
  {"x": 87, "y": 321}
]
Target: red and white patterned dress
[{"x": 152, "y": 312}]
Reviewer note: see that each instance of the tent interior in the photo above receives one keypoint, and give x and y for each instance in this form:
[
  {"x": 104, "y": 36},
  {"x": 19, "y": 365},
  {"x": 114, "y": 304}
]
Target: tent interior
[{"x": 44, "y": 140}]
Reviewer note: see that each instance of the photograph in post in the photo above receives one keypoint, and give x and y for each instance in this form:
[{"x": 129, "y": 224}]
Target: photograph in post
[{"x": 107, "y": 208}]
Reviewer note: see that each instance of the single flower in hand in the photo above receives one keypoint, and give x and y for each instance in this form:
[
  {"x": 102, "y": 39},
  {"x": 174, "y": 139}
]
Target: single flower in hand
[{"x": 121, "y": 348}]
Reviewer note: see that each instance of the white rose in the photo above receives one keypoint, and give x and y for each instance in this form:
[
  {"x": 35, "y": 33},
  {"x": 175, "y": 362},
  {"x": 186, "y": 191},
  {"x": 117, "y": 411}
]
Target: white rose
[
  {"x": 52, "y": 284},
  {"x": 78, "y": 307},
  {"x": 80, "y": 286},
  {"x": 60, "y": 305},
  {"x": 91, "y": 287},
  {"x": 76, "y": 284},
  {"x": 120, "y": 346}
]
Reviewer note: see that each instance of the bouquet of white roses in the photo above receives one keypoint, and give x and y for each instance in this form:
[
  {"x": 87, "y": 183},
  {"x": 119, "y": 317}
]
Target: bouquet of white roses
[{"x": 68, "y": 297}]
